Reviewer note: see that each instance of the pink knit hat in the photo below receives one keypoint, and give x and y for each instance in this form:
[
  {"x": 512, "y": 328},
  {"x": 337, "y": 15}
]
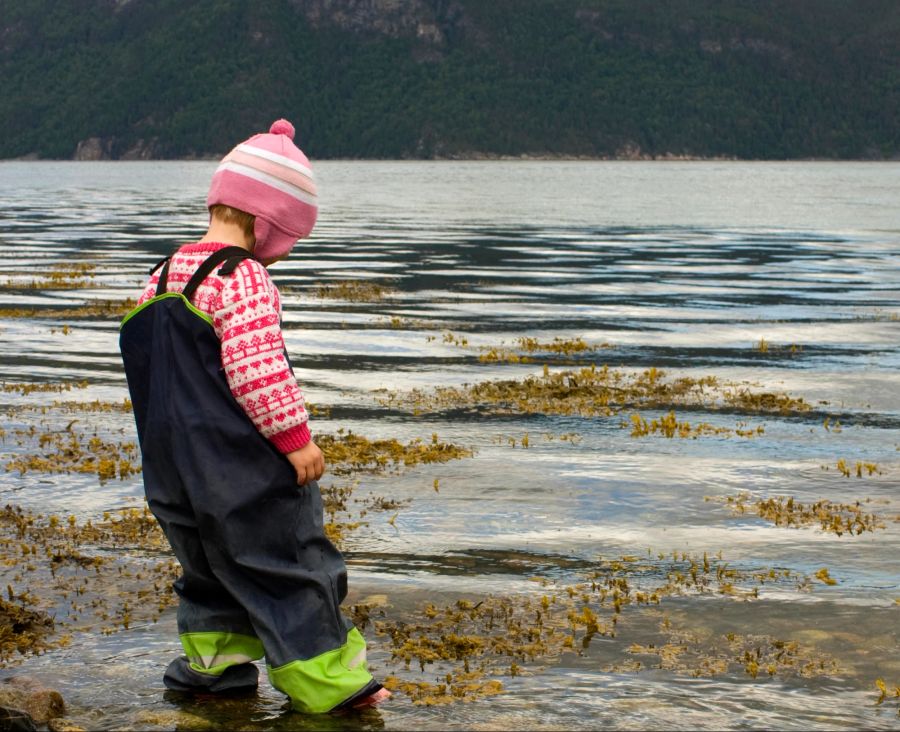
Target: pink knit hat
[{"x": 270, "y": 177}]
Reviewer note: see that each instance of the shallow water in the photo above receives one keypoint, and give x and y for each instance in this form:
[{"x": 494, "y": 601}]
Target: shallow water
[{"x": 681, "y": 266}]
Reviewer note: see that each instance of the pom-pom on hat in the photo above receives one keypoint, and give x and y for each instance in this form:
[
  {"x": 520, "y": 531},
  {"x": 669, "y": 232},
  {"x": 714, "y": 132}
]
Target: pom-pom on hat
[{"x": 270, "y": 177}]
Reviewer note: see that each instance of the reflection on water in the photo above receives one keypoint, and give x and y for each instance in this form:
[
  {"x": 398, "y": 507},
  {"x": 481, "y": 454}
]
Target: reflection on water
[{"x": 685, "y": 267}]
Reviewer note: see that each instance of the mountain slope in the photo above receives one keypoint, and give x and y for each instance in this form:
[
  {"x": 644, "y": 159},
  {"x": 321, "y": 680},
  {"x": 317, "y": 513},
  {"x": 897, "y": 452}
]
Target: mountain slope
[{"x": 426, "y": 78}]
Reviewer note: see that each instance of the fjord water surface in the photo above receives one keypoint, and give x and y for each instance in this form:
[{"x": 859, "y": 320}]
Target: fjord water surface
[{"x": 682, "y": 266}]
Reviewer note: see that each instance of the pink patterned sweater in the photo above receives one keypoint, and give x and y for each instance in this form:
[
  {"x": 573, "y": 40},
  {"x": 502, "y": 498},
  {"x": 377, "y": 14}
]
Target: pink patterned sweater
[{"x": 245, "y": 308}]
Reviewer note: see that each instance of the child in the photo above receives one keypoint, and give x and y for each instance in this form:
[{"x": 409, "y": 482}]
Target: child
[{"x": 229, "y": 465}]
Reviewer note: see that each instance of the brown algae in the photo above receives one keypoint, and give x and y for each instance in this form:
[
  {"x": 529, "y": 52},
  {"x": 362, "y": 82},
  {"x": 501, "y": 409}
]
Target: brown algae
[
  {"x": 845, "y": 469},
  {"x": 97, "y": 406},
  {"x": 702, "y": 655},
  {"x": 110, "y": 309},
  {"x": 26, "y": 388},
  {"x": 64, "y": 276},
  {"x": 346, "y": 452},
  {"x": 669, "y": 426},
  {"x": 884, "y": 693},
  {"x": 470, "y": 644},
  {"x": 68, "y": 450},
  {"x": 354, "y": 291},
  {"x": 96, "y": 576},
  {"x": 23, "y": 629},
  {"x": 764, "y": 346},
  {"x": 834, "y": 518},
  {"x": 558, "y": 346},
  {"x": 592, "y": 391},
  {"x": 525, "y": 347}
]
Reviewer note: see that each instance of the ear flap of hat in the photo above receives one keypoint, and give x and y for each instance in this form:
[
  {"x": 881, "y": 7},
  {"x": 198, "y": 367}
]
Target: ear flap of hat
[{"x": 271, "y": 242}]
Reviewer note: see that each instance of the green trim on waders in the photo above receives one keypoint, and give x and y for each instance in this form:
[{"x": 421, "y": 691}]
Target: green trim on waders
[
  {"x": 196, "y": 311},
  {"x": 211, "y": 652},
  {"x": 319, "y": 684}
]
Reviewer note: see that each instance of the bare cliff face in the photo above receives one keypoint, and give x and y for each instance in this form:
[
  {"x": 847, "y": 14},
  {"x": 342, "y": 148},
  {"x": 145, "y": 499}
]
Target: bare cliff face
[
  {"x": 393, "y": 18},
  {"x": 111, "y": 148},
  {"x": 430, "y": 23}
]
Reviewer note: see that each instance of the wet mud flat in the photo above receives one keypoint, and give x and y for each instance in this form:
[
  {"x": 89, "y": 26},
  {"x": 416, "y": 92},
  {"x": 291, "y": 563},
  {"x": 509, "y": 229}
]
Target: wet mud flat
[{"x": 583, "y": 477}]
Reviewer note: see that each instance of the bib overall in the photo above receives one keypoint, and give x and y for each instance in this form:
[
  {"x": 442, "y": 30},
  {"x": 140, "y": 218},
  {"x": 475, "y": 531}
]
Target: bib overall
[{"x": 259, "y": 577}]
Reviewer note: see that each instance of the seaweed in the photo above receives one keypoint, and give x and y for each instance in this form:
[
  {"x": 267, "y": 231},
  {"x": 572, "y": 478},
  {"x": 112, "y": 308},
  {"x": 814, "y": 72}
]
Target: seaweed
[
  {"x": 669, "y": 426},
  {"x": 95, "y": 576},
  {"x": 23, "y": 629},
  {"x": 354, "y": 291},
  {"x": 703, "y": 656},
  {"x": 63, "y": 276},
  {"x": 471, "y": 643},
  {"x": 112, "y": 309},
  {"x": 835, "y": 518},
  {"x": 860, "y": 466},
  {"x": 346, "y": 452},
  {"x": 525, "y": 347},
  {"x": 593, "y": 392},
  {"x": 884, "y": 693},
  {"x": 26, "y": 388},
  {"x": 69, "y": 450}
]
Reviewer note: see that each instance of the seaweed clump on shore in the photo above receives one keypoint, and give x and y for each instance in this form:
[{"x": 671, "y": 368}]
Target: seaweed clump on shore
[
  {"x": 835, "y": 518},
  {"x": 108, "y": 309},
  {"x": 29, "y": 387},
  {"x": 70, "y": 451},
  {"x": 526, "y": 347},
  {"x": 595, "y": 392},
  {"x": 470, "y": 643},
  {"x": 845, "y": 470},
  {"x": 94, "y": 576},
  {"x": 668, "y": 426},
  {"x": 63, "y": 276},
  {"x": 354, "y": 291},
  {"x": 346, "y": 452},
  {"x": 702, "y": 654},
  {"x": 23, "y": 629}
]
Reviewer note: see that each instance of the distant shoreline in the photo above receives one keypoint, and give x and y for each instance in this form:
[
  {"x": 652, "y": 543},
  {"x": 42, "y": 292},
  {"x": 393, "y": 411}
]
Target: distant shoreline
[{"x": 479, "y": 157}]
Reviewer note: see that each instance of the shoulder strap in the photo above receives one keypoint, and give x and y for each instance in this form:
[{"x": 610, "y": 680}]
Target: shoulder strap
[
  {"x": 163, "y": 275},
  {"x": 160, "y": 263},
  {"x": 234, "y": 255}
]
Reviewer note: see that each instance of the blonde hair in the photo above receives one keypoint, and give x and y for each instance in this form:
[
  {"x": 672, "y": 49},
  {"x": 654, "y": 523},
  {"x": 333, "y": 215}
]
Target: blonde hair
[{"x": 229, "y": 215}]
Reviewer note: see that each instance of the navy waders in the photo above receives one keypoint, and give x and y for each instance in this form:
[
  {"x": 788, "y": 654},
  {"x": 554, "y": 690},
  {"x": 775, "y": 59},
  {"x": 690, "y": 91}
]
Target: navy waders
[{"x": 260, "y": 578}]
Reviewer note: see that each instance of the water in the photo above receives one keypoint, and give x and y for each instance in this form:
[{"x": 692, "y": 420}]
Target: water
[{"x": 681, "y": 266}]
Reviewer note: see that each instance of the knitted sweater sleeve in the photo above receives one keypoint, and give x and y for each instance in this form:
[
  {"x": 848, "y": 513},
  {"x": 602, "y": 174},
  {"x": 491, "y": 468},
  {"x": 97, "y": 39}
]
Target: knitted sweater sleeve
[{"x": 247, "y": 320}]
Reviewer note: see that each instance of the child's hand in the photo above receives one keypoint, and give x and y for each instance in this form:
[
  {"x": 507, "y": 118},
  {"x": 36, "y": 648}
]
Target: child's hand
[{"x": 308, "y": 461}]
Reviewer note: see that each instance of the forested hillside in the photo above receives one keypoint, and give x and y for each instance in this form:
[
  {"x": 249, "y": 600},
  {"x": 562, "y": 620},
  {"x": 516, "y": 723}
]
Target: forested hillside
[{"x": 452, "y": 78}]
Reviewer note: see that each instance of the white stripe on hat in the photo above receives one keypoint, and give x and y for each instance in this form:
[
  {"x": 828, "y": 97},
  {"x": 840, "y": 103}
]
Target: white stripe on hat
[
  {"x": 269, "y": 180},
  {"x": 276, "y": 158}
]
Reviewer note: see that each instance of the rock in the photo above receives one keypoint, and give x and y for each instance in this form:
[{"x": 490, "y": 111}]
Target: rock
[
  {"x": 33, "y": 698},
  {"x": 141, "y": 150},
  {"x": 93, "y": 148},
  {"x": 15, "y": 720},
  {"x": 391, "y": 18}
]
